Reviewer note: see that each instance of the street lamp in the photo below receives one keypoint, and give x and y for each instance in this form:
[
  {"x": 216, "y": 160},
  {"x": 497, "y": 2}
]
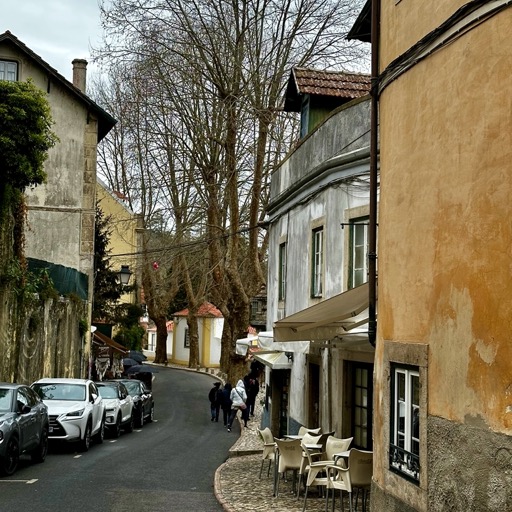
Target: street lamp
[{"x": 124, "y": 274}]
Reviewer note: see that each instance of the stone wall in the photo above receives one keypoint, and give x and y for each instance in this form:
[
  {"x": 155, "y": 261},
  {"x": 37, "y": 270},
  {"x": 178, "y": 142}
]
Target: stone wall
[{"x": 40, "y": 339}]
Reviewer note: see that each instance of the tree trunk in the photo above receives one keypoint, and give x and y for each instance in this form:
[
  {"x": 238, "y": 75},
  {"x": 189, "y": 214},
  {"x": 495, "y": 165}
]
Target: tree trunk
[{"x": 161, "y": 340}]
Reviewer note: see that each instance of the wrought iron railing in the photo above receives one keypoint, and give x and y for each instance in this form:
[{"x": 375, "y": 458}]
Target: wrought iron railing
[{"x": 405, "y": 463}]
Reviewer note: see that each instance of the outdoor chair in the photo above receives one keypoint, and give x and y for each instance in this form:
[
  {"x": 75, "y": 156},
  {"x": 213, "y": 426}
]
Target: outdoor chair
[
  {"x": 358, "y": 475},
  {"x": 316, "y": 468},
  {"x": 269, "y": 448},
  {"x": 305, "y": 430},
  {"x": 289, "y": 457},
  {"x": 307, "y": 439}
]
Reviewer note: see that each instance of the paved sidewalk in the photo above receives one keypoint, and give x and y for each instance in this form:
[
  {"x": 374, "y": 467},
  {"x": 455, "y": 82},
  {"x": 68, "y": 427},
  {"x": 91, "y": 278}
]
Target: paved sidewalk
[{"x": 238, "y": 487}]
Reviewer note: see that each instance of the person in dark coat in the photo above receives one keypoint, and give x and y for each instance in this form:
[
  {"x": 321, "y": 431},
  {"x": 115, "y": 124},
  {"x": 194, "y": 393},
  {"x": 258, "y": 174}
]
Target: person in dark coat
[
  {"x": 226, "y": 402},
  {"x": 252, "y": 387},
  {"x": 215, "y": 396}
]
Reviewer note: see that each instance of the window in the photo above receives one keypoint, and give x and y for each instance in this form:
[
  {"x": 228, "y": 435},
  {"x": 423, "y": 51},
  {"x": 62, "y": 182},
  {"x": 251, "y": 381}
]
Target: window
[
  {"x": 8, "y": 70},
  {"x": 187, "y": 339},
  {"x": 317, "y": 263},
  {"x": 282, "y": 271},
  {"x": 358, "y": 251},
  {"x": 405, "y": 446},
  {"x": 152, "y": 341},
  {"x": 362, "y": 405}
]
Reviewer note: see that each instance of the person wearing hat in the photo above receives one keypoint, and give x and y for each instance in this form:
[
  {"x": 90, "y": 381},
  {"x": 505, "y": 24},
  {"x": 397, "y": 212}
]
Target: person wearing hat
[{"x": 215, "y": 397}]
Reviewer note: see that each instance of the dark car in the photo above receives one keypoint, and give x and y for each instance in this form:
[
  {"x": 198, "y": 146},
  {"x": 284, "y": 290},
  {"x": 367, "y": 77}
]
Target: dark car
[
  {"x": 23, "y": 426},
  {"x": 143, "y": 404}
]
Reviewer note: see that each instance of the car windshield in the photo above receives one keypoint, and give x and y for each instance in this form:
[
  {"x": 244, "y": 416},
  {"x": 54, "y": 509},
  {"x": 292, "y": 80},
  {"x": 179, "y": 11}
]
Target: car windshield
[
  {"x": 133, "y": 388},
  {"x": 5, "y": 400},
  {"x": 107, "y": 391},
  {"x": 59, "y": 391}
]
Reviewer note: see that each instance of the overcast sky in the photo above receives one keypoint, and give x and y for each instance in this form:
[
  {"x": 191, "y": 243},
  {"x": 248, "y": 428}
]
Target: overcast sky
[{"x": 57, "y": 30}]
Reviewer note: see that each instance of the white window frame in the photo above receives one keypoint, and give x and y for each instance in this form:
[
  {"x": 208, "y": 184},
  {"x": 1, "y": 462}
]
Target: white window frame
[
  {"x": 404, "y": 455},
  {"x": 8, "y": 70},
  {"x": 317, "y": 273},
  {"x": 356, "y": 226}
]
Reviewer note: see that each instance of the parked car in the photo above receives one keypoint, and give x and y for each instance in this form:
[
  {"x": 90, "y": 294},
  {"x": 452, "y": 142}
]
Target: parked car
[
  {"x": 23, "y": 426},
  {"x": 118, "y": 406},
  {"x": 75, "y": 408},
  {"x": 144, "y": 406}
]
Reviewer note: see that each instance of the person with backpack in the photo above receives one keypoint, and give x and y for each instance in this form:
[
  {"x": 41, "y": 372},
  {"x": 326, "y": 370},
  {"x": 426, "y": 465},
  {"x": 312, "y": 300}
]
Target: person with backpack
[
  {"x": 238, "y": 397},
  {"x": 215, "y": 397}
]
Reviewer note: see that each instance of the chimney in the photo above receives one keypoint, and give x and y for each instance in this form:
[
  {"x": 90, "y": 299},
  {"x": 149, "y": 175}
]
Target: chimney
[{"x": 79, "y": 73}]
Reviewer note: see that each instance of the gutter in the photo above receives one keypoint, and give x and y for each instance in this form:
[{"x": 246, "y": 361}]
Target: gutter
[{"x": 374, "y": 141}]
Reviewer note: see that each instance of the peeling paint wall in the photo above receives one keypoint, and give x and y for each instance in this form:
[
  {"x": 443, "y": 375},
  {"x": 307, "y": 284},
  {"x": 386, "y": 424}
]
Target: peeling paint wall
[{"x": 444, "y": 254}]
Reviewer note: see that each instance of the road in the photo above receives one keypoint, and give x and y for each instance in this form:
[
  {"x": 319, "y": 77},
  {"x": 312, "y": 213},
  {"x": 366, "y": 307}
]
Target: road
[{"x": 167, "y": 465}]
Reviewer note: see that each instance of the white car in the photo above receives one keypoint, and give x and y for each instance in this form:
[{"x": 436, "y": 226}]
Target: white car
[
  {"x": 118, "y": 406},
  {"x": 75, "y": 409}
]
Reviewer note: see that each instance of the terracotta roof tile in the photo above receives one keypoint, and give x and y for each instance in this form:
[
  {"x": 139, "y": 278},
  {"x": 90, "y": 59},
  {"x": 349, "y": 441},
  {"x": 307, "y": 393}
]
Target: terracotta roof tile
[
  {"x": 206, "y": 309},
  {"x": 331, "y": 83}
]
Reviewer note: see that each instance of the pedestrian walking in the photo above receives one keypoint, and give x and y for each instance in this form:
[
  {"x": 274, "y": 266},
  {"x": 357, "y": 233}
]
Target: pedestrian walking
[
  {"x": 252, "y": 387},
  {"x": 214, "y": 396},
  {"x": 238, "y": 398},
  {"x": 225, "y": 402}
]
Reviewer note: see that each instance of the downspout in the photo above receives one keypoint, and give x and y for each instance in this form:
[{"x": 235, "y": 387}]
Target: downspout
[{"x": 374, "y": 142}]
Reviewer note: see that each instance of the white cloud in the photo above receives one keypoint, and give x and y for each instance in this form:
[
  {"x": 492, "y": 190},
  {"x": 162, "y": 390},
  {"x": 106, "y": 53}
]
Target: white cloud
[{"x": 57, "y": 30}]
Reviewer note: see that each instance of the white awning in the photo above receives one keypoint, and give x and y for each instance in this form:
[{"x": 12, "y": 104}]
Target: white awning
[
  {"x": 243, "y": 344},
  {"x": 274, "y": 360},
  {"x": 323, "y": 321},
  {"x": 266, "y": 342}
]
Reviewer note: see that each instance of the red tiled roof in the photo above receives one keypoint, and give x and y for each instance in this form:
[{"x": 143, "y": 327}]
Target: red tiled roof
[
  {"x": 331, "y": 83},
  {"x": 206, "y": 310}
]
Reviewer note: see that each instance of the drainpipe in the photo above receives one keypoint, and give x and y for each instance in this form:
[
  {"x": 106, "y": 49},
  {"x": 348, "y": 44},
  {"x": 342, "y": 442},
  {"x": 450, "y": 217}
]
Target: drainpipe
[{"x": 374, "y": 141}]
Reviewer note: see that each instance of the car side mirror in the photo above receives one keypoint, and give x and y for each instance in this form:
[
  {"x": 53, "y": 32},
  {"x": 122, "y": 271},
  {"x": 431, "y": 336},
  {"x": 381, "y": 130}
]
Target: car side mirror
[{"x": 94, "y": 396}]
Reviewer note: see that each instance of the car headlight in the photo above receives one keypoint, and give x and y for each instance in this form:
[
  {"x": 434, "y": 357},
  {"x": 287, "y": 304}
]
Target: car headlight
[{"x": 76, "y": 414}]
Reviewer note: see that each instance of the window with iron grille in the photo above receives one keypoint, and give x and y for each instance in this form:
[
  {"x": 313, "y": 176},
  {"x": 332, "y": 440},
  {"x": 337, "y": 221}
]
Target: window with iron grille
[
  {"x": 317, "y": 262},
  {"x": 8, "y": 70},
  {"x": 404, "y": 450},
  {"x": 187, "y": 339}
]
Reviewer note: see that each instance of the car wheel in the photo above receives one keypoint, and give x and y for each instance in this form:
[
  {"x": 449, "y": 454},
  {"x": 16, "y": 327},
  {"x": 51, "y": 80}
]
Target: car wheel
[
  {"x": 140, "y": 418},
  {"x": 9, "y": 463},
  {"x": 39, "y": 454},
  {"x": 116, "y": 432},
  {"x": 101, "y": 432},
  {"x": 85, "y": 443},
  {"x": 151, "y": 413}
]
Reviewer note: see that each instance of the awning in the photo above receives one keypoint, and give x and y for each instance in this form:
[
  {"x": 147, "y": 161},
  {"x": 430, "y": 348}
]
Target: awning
[
  {"x": 100, "y": 339},
  {"x": 327, "y": 319},
  {"x": 243, "y": 344},
  {"x": 266, "y": 342},
  {"x": 274, "y": 360}
]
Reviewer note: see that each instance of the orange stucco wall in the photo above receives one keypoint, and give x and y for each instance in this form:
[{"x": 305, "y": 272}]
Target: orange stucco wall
[{"x": 445, "y": 231}]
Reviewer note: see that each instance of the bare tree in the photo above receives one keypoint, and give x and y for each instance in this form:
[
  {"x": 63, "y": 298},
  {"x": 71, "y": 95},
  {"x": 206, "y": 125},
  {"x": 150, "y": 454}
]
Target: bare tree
[{"x": 219, "y": 67}]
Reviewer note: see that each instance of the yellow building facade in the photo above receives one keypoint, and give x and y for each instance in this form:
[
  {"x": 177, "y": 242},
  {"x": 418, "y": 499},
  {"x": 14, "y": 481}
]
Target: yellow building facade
[
  {"x": 125, "y": 238},
  {"x": 443, "y": 361}
]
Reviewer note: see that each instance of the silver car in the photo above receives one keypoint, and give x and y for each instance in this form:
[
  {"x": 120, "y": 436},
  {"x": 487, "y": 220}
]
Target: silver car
[
  {"x": 75, "y": 408},
  {"x": 23, "y": 426}
]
